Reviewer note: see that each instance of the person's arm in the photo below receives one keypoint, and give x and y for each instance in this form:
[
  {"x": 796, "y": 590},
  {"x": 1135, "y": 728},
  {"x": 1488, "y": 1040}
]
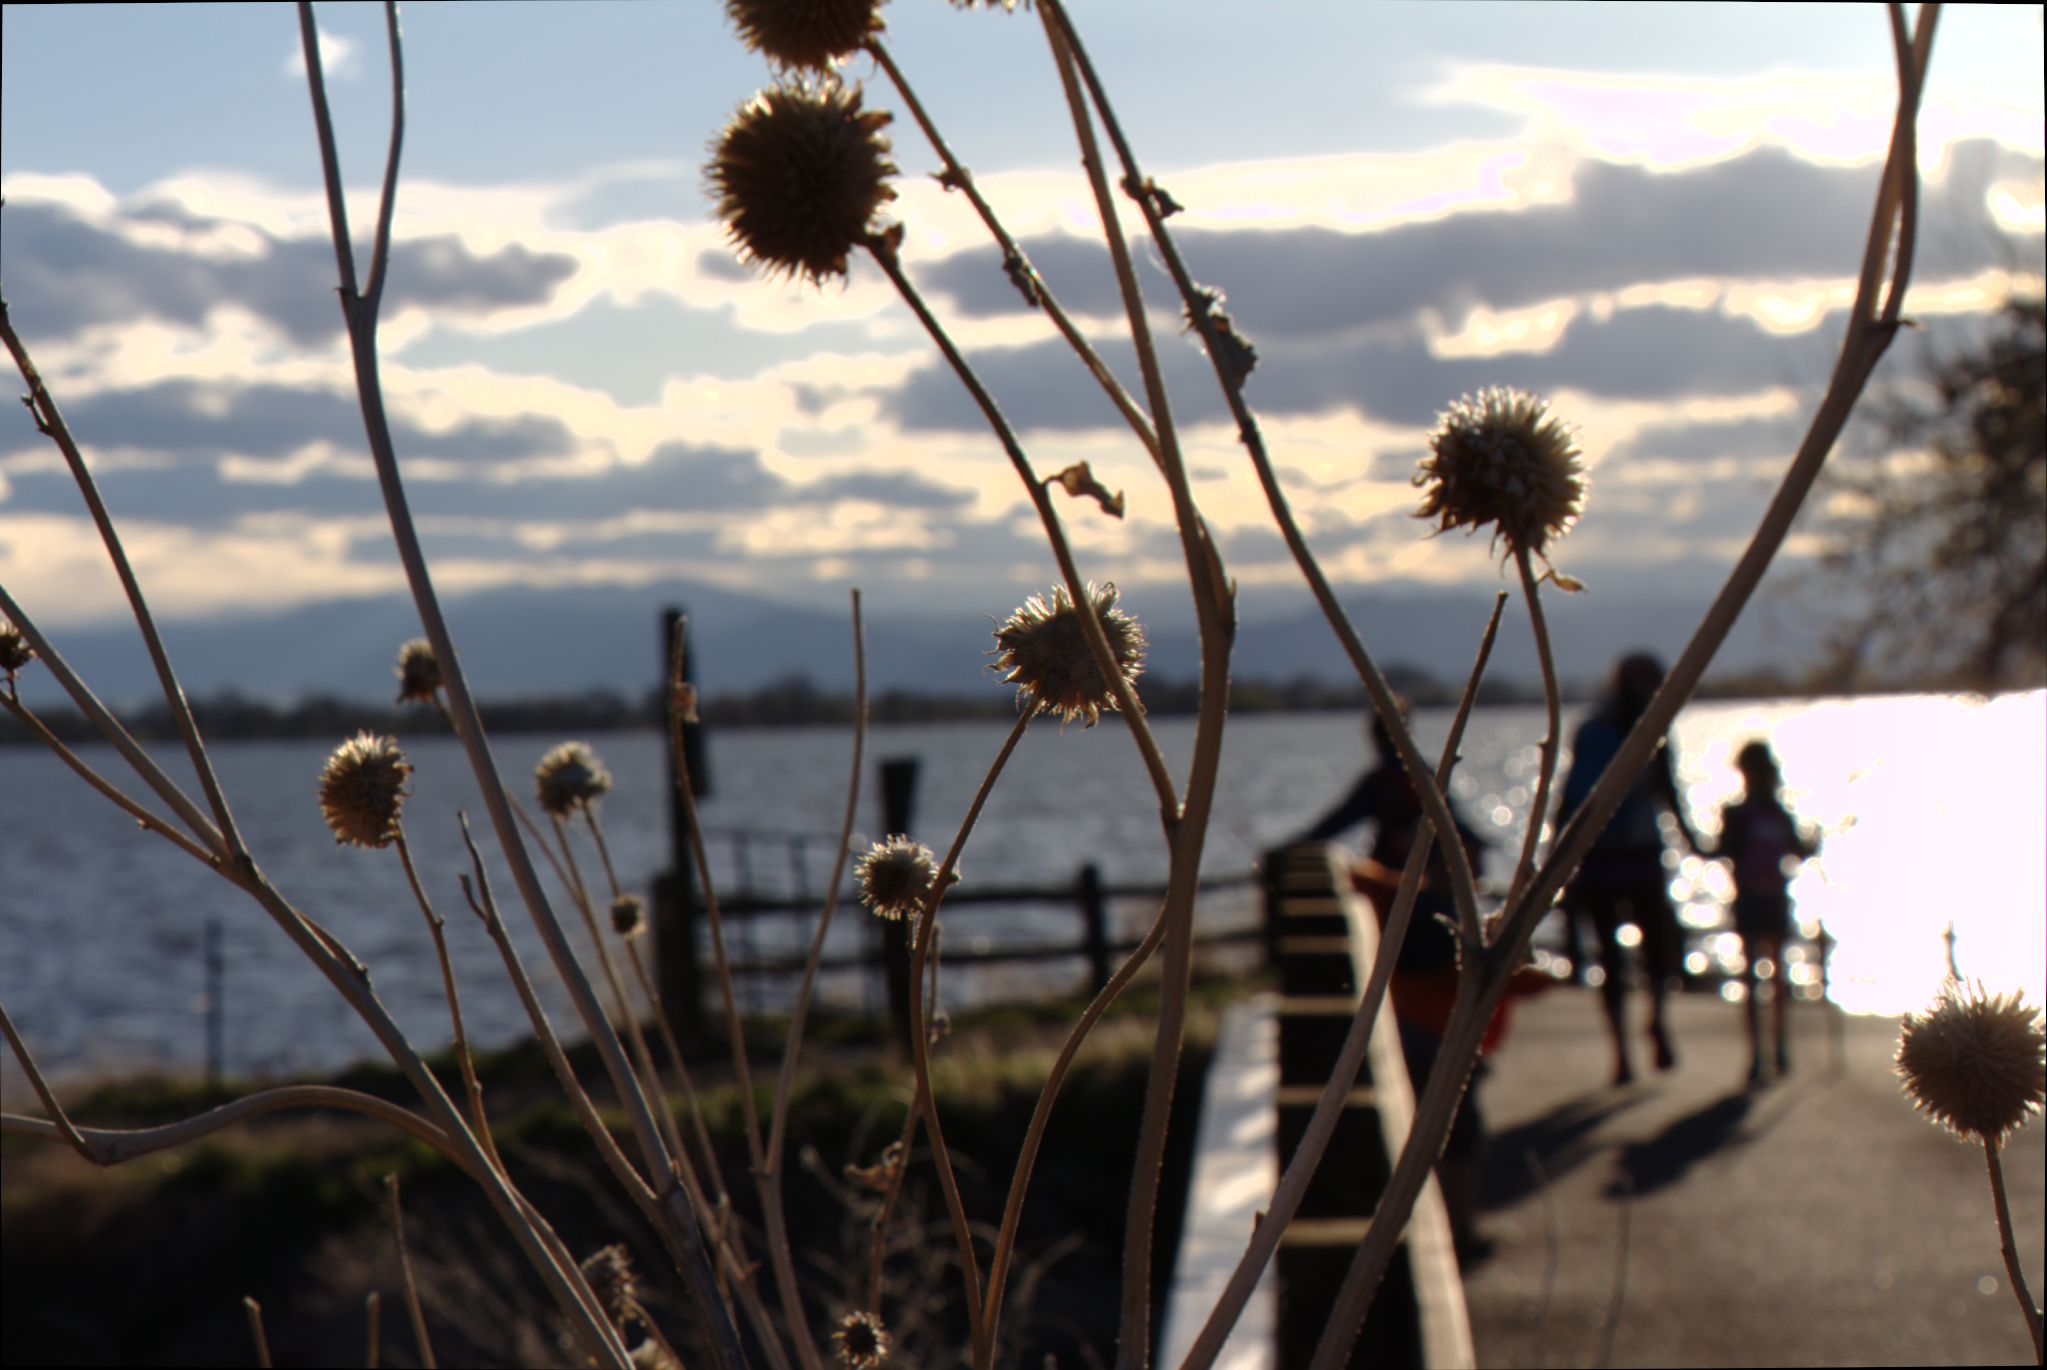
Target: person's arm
[
  {"x": 1666, "y": 785},
  {"x": 1355, "y": 808},
  {"x": 1717, "y": 848},
  {"x": 1806, "y": 836}
]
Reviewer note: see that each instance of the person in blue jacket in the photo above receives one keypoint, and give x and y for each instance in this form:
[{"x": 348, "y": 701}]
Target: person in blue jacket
[{"x": 1623, "y": 878}]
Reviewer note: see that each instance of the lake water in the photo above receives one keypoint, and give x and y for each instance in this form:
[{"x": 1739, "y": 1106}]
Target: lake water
[{"x": 1933, "y": 807}]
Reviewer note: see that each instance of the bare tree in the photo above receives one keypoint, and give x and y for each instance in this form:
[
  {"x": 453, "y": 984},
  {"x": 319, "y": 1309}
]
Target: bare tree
[{"x": 1942, "y": 540}]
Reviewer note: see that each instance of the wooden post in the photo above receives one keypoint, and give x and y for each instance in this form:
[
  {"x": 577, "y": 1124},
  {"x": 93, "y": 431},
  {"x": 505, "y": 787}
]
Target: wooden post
[
  {"x": 675, "y": 892},
  {"x": 1094, "y": 913},
  {"x": 898, "y": 808}
]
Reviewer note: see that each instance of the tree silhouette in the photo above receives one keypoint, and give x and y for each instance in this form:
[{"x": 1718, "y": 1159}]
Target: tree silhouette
[{"x": 1941, "y": 538}]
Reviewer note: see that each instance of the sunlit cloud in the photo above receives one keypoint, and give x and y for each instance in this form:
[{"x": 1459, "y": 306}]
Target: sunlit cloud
[
  {"x": 1607, "y": 254},
  {"x": 339, "y": 58}
]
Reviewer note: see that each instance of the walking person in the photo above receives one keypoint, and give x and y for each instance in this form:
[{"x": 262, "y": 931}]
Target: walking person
[
  {"x": 1623, "y": 878},
  {"x": 1763, "y": 843}
]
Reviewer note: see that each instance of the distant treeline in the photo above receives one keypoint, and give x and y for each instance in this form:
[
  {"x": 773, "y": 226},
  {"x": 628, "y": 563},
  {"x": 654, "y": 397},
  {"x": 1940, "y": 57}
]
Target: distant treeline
[{"x": 787, "y": 702}]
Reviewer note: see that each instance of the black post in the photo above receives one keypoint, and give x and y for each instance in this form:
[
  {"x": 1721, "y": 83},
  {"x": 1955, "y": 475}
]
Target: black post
[
  {"x": 675, "y": 893},
  {"x": 1094, "y": 912},
  {"x": 898, "y": 807}
]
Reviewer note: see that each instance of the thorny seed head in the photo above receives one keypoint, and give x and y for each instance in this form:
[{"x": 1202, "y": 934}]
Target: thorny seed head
[
  {"x": 15, "y": 652},
  {"x": 568, "y": 777},
  {"x": 1973, "y": 1061},
  {"x": 861, "y": 1340},
  {"x": 628, "y": 915},
  {"x": 1042, "y": 650},
  {"x": 419, "y": 675},
  {"x": 609, "y": 1271},
  {"x": 362, "y": 789},
  {"x": 1501, "y": 457},
  {"x": 801, "y": 34},
  {"x": 895, "y": 877},
  {"x": 800, "y": 173}
]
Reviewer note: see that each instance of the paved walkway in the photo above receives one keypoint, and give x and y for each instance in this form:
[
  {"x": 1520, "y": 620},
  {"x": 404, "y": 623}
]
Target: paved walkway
[{"x": 1687, "y": 1221}]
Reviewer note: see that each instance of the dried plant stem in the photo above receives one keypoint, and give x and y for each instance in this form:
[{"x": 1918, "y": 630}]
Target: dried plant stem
[
  {"x": 2009, "y": 1247},
  {"x": 373, "y": 1309},
  {"x": 359, "y": 313},
  {"x": 1041, "y": 1114},
  {"x": 471, "y": 1086},
  {"x": 412, "y": 1308},
  {"x": 359, "y": 310},
  {"x": 769, "y": 1177},
  {"x": 28, "y": 719},
  {"x": 621, "y": 1004},
  {"x": 603, "y": 851},
  {"x": 683, "y": 1080},
  {"x": 255, "y": 1312},
  {"x": 484, "y": 904},
  {"x": 351, "y": 981},
  {"x": 781, "y": 1259},
  {"x": 1127, "y": 703},
  {"x": 1198, "y": 305},
  {"x": 714, "y": 915},
  {"x": 1869, "y": 333},
  {"x": 1036, "y": 292},
  {"x": 110, "y": 728},
  {"x": 1538, "y": 812},
  {"x": 50, "y": 422},
  {"x": 1215, "y": 617},
  {"x": 1328, "y": 1112},
  {"x": 926, "y": 935},
  {"x": 116, "y": 1146}
]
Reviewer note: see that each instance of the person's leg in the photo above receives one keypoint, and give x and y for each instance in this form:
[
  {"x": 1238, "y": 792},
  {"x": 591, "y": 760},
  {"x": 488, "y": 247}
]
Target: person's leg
[
  {"x": 1658, "y": 923},
  {"x": 1780, "y": 1004},
  {"x": 1613, "y": 985},
  {"x": 1752, "y": 1008},
  {"x": 1574, "y": 936}
]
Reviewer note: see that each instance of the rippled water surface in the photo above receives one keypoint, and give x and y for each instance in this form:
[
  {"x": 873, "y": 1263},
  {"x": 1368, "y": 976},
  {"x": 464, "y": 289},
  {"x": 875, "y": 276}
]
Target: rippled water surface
[{"x": 1933, "y": 807}]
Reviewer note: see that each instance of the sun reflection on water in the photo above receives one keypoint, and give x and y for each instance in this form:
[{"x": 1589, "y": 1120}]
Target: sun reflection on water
[{"x": 1930, "y": 814}]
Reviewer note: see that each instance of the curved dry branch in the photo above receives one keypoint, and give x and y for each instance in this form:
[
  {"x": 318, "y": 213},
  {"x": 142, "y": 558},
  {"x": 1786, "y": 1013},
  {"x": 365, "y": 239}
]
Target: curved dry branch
[
  {"x": 1868, "y": 335},
  {"x": 106, "y": 1146},
  {"x": 110, "y": 727},
  {"x": 49, "y": 421},
  {"x": 1328, "y": 1111},
  {"x": 28, "y": 719}
]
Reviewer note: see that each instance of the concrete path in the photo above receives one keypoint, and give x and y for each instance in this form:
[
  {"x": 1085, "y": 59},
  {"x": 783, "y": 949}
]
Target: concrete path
[{"x": 1688, "y": 1221}]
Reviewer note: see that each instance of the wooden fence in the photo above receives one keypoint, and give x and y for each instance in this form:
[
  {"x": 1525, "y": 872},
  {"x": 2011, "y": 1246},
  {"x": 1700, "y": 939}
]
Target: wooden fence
[{"x": 1087, "y": 899}]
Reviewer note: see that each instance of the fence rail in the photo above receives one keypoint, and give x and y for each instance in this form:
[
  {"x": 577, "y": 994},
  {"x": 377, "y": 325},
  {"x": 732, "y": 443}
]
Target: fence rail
[{"x": 1086, "y": 898}]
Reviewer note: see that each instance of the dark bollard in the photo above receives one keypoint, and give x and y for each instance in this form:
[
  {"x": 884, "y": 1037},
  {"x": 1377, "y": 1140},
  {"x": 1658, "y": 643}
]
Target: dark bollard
[
  {"x": 898, "y": 807},
  {"x": 1094, "y": 913},
  {"x": 675, "y": 893}
]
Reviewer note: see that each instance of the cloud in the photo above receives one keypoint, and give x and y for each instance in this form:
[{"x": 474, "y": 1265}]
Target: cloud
[
  {"x": 1764, "y": 215},
  {"x": 340, "y": 59},
  {"x": 1655, "y": 352},
  {"x": 67, "y": 272},
  {"x": 191, "y": 421},
  {"x": 588, "y": 509}
]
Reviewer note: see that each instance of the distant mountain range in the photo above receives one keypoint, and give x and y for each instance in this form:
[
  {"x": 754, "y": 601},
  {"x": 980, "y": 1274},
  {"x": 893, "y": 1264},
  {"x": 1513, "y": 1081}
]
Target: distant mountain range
[{"x": 524, "y": 643}]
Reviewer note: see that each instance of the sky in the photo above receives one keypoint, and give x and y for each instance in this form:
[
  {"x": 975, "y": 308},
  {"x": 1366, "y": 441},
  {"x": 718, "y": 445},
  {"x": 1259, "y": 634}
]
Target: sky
[{"x": 1648, "y": 214}]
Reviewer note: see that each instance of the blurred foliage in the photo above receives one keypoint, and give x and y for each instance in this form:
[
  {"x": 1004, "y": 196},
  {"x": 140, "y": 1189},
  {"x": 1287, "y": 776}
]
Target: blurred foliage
[{"x": 1941, "y": 537}]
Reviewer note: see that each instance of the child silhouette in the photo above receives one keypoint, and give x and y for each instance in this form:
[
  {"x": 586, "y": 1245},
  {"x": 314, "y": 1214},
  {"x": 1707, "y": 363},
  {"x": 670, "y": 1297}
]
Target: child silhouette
[{"x": 1763, "y": 843}]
